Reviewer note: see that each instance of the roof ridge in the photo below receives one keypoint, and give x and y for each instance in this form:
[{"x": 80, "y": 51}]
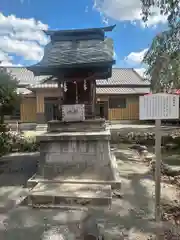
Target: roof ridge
[
  {"x": 124, "y": 68},
  {"x": 25, "y": 67},
  {"x": 13, "y": 67}
]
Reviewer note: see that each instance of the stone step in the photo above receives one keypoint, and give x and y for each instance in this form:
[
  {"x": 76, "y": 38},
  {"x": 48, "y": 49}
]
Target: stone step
[
  {"x": 32, "y": 182},
  {"x": 70, "y": 194},
  {"x": 66, "y": 207},
  {"x": 41, "y": 127}
]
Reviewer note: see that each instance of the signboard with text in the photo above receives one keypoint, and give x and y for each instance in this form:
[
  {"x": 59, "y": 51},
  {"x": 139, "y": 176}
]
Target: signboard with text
[
  {"x": 73, "y": 113},
  {"x": 159, "y": 106}
]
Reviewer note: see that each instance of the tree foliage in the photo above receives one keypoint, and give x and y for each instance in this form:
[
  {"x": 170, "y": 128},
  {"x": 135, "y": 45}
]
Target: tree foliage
[
  {"x": 8, "y": 94},
  {"x": 169, "y": 8},
  {"x": 162, "y": 58}
]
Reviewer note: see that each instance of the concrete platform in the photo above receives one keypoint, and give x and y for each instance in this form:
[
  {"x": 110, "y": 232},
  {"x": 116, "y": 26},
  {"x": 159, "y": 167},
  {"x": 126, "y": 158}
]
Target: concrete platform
[
  {"x": 35, "y": 179},
  {"x": 70, "y": 194}
]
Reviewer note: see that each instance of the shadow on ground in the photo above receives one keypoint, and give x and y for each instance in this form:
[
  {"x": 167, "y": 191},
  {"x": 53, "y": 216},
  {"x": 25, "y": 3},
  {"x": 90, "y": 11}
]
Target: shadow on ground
[
  {"x": 17, "y": 168},
  {"x": 131, "y": 217},
  {"x": 128, "y": 215}
]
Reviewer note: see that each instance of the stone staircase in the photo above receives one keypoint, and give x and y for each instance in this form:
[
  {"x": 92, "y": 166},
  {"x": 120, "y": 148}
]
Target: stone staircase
[{"x": 70, "y": 195}]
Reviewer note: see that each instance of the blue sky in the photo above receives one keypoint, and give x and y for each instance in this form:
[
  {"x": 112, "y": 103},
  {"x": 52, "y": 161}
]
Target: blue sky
[{"x": 21, "y": 22}]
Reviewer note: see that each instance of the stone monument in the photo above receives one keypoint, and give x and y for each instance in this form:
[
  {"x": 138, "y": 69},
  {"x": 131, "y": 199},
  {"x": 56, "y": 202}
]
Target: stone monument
[{"x": 76, "y": 166}]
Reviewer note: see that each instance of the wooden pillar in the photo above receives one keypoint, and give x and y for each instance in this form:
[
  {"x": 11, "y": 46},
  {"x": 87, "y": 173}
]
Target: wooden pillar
[
  {"x": 40, "y": 115},
  {"x": 93, "y": 98}
]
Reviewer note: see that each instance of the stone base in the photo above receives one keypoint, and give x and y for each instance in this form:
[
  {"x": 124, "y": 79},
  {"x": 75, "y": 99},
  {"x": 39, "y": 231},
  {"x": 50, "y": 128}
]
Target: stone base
[
  {"x": 86, "y": 155},
  {"x": 70, "y": 194},
  {"x": 75, "y": 156},
  {"x": 85, "y": 126}
]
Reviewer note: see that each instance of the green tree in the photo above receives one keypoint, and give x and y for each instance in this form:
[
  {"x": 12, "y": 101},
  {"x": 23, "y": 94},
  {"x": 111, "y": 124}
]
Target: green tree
[
  {"x": 162, "y": 58},
  {"x": 9, "y": 97},
  {"x": 169, "y": 8}
]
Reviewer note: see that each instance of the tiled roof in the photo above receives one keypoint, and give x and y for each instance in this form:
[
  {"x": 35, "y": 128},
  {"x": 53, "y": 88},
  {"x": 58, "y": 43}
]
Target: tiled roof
[
  {"x": 99, "y": 90},
  {"x": 117, "y": 90},
  {"x": 123, "y": 76},
  {"x": 120, "y": 76},
  {"x": 25, "y": 76}
]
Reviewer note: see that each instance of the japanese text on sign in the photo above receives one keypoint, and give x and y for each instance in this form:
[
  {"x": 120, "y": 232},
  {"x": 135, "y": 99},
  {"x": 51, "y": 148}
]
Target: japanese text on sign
[{"x": 159, "y": 106}]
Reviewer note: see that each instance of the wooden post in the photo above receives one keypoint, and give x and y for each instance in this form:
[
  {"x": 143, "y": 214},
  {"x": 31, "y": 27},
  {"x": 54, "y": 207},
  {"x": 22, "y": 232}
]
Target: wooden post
[
  {"x": 17, "y": 126},
  {"x": 158, "y": 171},
  {"x": 76, "y": 92}
]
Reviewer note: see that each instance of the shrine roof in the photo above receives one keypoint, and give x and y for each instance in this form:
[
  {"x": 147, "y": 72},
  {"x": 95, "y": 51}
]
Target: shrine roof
[
  {"x": 80, "y": 31},
  {"x": 47, "y": 69},
  {"x": 77, "y": 48}
]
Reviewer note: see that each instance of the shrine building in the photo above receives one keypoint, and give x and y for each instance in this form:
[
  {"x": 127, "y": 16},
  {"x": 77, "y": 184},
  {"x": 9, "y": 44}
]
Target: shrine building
[
  {"x": 117, "y": 98},
  {"x": 77, "y": 69}
]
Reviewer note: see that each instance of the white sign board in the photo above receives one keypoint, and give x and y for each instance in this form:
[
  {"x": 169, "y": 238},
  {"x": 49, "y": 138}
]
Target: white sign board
[
  {"x": 73, "y": 113},
  {"x": 159, "y": 106}
]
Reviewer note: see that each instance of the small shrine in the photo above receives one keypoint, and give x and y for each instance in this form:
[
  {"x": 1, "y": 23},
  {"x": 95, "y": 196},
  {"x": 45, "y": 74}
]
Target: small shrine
[
  {"x": 76, "y": 165},
  {"x": 76, "y": 59}
]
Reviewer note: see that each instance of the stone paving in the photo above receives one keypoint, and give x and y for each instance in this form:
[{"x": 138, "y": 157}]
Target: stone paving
[{"x": 131, "y": 213}]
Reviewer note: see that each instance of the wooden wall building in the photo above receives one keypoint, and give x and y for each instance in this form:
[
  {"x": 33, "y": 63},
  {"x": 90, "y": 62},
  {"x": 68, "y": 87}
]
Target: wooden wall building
[
  {"x": 119, "y": 95},
  {"x": 117, "y": 98}
]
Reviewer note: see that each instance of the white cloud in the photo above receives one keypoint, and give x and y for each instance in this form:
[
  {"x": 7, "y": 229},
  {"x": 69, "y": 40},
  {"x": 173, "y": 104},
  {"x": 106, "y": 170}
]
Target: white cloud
[
  {"x": 115, "y": 55},
  {"x": 4, "y": 56},
  {"x": 31, "y": 35},
  {"x": 136, "y": 57},
  {"x": 140, "y": 71},
  {"x": 9, "y": 64},
  {"x": 6, "y": 63},
  {"x": 21, "y": 37},
  {"x": 13, "y": 23},
  {"x": 128, "y": 10},
  {"x": 5, "y": 59},
  {"x": 27, "y": 49}
]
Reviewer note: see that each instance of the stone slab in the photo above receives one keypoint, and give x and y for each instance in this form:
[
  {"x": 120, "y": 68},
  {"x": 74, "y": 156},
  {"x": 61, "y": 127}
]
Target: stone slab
[
  {"x": 70, "y": 194},
  {"x": 32, "y": 182},
  {"x": 94, "y": 125},
  {"x": 73, "y": 136}
]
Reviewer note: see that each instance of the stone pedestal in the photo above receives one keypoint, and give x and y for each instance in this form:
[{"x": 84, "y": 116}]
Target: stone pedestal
[{"x": 76, "y": 153}]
